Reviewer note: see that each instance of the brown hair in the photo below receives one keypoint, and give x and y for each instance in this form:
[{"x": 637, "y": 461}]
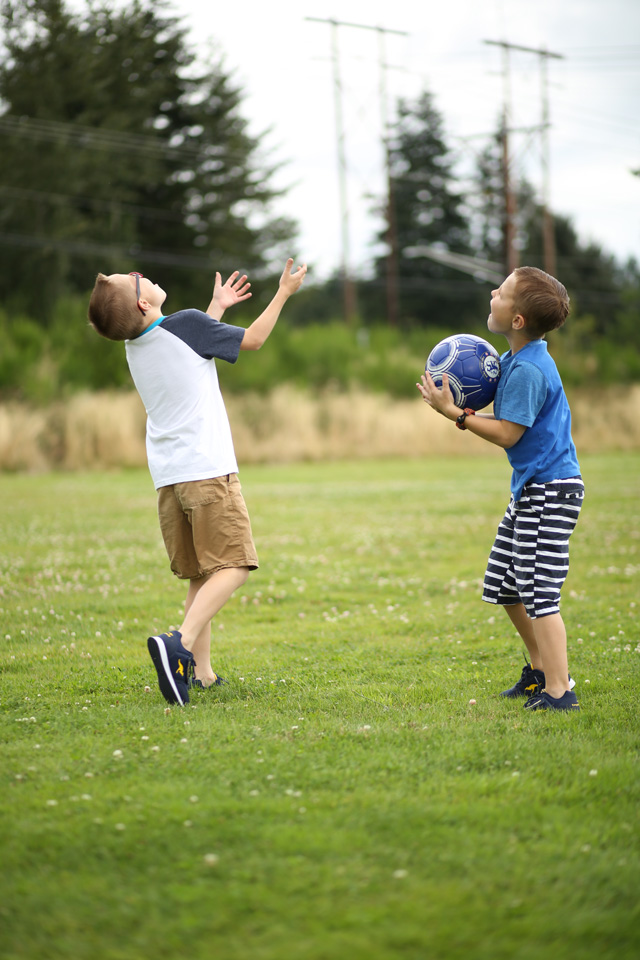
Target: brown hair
[
  {"x": 113, "y": 314},
  {"x": 541, "y": 299}
]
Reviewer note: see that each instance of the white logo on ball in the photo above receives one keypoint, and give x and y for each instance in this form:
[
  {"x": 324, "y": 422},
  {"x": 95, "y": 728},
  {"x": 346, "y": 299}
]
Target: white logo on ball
[{"x": 491, "y": 366}]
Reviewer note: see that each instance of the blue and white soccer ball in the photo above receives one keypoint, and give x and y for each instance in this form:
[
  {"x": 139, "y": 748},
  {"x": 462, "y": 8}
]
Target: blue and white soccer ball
[{"x": 473, "y": 368}]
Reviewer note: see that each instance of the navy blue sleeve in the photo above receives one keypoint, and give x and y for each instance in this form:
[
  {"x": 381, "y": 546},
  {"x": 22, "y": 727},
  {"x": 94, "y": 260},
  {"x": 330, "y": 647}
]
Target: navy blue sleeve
[{"x": 207, "y": 337}]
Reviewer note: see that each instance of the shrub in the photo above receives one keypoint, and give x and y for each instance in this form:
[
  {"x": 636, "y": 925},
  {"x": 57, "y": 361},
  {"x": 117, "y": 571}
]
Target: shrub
[{"x": 39, "y": 364}]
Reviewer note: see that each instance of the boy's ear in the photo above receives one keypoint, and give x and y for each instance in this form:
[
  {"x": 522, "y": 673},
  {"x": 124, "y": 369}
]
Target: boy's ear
[{"x": 518, "y": 322}]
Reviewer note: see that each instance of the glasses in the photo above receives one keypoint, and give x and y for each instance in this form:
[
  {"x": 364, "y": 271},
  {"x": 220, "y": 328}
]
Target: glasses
[{"x": 138, "y": 276}]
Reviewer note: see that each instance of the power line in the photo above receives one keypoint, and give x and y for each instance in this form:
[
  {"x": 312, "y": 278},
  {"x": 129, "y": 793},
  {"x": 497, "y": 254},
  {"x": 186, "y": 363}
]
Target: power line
[
  {"x": 102, "y": 138},
  {"x": 485, "y": 270},
  {"x": 112, "y": 206},
  {"x": 92, "y": 137},
  {"x": 86, "y": 248}
]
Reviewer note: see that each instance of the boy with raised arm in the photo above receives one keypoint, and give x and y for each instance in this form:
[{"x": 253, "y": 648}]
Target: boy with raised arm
[{"x": 202, "y": 513}]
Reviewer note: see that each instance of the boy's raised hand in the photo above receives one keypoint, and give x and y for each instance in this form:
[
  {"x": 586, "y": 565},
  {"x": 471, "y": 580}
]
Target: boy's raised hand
[
  {"x": 290, "y": 282},
  {"x": 235, "y": 290}
]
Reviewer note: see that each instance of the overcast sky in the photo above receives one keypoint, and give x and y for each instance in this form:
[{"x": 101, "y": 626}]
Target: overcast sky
[{"x": 283, "y": 62}]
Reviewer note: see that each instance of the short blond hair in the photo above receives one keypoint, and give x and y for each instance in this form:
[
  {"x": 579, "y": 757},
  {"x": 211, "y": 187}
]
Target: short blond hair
[
  {"x": 541, "y": 299},
  {"x": 113, "y": 314}
]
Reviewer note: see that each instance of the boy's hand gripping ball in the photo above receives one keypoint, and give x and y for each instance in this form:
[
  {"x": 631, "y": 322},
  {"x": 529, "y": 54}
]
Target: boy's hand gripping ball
[{"x": 473, "y": 368}]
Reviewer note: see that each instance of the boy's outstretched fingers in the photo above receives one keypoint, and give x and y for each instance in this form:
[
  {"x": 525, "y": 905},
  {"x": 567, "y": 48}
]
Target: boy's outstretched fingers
[
  {"x": 236, "y": 284},
  {"x": 426, "y": 387},
  {"x": 291, "y": 280},
  {"x": 439, "y": 399},
  {"x": 241, "y": 287}
]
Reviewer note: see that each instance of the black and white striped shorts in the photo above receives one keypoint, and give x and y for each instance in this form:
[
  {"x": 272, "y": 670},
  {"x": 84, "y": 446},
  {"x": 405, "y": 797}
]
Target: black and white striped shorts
[{"x": 529, "y": 560}]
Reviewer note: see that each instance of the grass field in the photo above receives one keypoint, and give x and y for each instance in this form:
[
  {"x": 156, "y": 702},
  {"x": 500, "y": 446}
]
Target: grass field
[{"x": 358, "y": 790}]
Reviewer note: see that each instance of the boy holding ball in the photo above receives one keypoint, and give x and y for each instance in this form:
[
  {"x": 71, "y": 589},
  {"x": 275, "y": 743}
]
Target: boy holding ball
[{"x": 532, "y": 422}]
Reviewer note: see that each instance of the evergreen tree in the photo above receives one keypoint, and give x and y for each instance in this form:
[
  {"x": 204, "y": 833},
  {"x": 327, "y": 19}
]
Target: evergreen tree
[
  {"x": 593, "y": 278},
  {"x": 119, "y": 153},
  {"x": 487, "y": 202},
  {"x": 429, "y": 211}
]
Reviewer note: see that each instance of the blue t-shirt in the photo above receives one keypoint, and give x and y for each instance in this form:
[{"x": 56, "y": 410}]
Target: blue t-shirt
[{"x": 530, "y": 393}]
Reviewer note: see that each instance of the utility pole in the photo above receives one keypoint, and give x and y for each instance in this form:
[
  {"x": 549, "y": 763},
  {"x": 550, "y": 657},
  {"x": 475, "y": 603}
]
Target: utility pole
[
  {"x": 348, "y": 287},
  {"x": 548, "y": 233},
  {"x": 392, "y": 227},
  {"x": 349, "y": 295},
  {"x": 349, "y": 290},
  {"x": 511, "y": 257}
]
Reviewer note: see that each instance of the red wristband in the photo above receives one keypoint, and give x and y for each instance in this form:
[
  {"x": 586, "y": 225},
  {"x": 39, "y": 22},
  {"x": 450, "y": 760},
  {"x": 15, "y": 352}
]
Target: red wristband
[{"x": 468, "y": 412}]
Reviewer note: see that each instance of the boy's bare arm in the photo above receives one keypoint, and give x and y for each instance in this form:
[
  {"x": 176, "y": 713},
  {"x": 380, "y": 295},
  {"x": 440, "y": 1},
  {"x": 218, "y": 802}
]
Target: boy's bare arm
[
  {"x": 256, "y": 334},
  {"x": 504, "y": 433},
  {"x": 235, "y": 290}
]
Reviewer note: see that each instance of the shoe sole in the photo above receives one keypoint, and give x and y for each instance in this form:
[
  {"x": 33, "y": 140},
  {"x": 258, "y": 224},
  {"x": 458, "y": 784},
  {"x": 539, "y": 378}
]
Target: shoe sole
[
  {"x": 168, "y": 688},
  {"x": 543, "y": 704},
  {"x": 547, "y": 707},
  {"x": 199, "y": 685},
  {"x": 528, "y": 692}
]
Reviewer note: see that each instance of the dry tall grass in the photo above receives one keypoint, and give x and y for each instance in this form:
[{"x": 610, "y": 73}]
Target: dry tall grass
[
  {"x": 102, "y": 430},
  {"x": 89, "y": 430}
]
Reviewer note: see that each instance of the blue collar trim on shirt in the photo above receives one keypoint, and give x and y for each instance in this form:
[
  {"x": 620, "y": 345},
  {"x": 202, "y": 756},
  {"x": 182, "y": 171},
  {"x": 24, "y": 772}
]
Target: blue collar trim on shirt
[{"x": 150, "y": 327}]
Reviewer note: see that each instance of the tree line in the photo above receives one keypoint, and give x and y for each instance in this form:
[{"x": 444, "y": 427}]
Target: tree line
[{"x": 119, "y": 147}]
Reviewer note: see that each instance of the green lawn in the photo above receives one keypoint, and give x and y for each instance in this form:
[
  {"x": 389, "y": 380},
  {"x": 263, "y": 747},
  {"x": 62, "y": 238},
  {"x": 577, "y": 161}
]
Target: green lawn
[{"x": 341, "y": 798}]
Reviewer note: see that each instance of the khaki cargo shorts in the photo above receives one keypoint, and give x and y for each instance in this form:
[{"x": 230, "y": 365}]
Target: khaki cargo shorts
[{"x": 205, "y": 527}]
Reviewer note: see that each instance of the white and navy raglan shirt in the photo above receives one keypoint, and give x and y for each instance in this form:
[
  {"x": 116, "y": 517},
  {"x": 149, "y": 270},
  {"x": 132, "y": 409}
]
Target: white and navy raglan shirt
[{"x": 172, "y": 363}]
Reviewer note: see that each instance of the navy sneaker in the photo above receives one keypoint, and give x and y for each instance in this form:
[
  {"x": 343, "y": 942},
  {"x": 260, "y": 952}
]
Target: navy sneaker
[
  {"x": 531, "y": 681},
  {"x": 199, "y": 685},
  {"x": 174, "y": 665},
  {"x": 543, "y": 701}
]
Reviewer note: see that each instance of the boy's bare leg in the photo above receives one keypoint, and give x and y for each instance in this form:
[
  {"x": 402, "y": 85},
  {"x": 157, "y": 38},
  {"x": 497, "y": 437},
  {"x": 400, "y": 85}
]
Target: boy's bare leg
[
  {"x": 524, "y": 625},
  {"x": 551, "y": 638},
  {"x": 205, "y": 597}
]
